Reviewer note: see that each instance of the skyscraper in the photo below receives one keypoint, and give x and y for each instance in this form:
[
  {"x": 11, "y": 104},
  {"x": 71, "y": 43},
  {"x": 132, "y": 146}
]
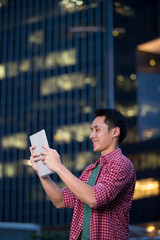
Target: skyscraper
[
  {"x": 56, "y": 67},
  {"x": 136, "y": 66}
]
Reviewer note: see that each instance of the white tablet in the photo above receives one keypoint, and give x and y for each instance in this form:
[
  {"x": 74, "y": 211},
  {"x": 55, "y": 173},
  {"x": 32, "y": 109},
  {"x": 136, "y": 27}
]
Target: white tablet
[{"x": 39, "y": 139}]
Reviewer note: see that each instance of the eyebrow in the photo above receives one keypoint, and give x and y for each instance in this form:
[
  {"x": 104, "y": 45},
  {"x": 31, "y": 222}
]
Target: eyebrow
[{"x": 95, "y": 126}]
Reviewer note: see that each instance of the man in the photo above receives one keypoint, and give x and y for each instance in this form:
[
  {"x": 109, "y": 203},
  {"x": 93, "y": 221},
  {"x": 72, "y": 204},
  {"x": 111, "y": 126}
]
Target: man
[{"x": 102, "y": 196}]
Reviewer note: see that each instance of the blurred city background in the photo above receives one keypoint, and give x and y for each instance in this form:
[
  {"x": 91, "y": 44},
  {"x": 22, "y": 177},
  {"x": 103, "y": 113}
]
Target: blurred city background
[{"x": 59, "y": 61}]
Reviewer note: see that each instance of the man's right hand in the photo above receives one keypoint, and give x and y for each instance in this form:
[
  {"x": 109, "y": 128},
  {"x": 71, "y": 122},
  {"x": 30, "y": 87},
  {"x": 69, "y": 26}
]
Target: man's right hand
[{"x": 34, "y": 158}]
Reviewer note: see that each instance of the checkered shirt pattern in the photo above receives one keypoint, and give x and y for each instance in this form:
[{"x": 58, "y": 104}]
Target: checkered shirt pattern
[{"x": 113, "y": 190}]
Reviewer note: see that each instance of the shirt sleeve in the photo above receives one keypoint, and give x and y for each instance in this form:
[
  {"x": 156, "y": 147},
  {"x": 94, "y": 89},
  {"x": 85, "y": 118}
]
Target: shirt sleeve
[
  {"x": 113, "y": 181},
  {"x": 69, "y": 198}
]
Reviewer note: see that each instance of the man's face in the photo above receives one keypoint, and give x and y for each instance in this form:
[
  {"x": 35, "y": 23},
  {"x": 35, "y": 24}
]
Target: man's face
[{"x": 102, "y": 138}]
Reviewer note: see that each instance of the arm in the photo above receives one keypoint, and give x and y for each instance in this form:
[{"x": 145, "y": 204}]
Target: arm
[
  {"x": 118, "y": 179},
  {"x": 81, "y": 190},
  {"x": 53, "y": 192}
]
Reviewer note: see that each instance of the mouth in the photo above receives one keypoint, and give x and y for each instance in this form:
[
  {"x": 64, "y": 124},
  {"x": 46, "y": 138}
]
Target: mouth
[{"x": 94, "y": 142}]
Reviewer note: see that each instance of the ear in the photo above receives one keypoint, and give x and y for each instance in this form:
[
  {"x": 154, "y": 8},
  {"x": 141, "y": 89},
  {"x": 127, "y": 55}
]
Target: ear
[{"x": 116, "y": 132}]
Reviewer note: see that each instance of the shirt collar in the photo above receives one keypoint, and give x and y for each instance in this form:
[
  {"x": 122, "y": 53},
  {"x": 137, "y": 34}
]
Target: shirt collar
[
  {"x": 110, "y": 155},
  {"x": 105, "y": 158}
]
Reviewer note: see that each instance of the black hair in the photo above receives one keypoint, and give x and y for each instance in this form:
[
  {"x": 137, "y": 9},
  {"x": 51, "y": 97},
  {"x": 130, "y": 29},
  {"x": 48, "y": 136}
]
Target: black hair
[{"x": 113, "y": 118}]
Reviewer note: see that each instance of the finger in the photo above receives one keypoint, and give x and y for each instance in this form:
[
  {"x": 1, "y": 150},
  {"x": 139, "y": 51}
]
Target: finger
[
  {"x": 35, "y": 158},
  {"x": 55, "y": 153},
  {"x": 47, "y": 148},
  {"x": 42, "y": 157},
  {"x": 44, "y": 153},
  {"x": 32, "y": 148},
  {"x": 44, "y": 162},
  {"x": 35, "y": 155},
  {"x": 34, "y": 166}
]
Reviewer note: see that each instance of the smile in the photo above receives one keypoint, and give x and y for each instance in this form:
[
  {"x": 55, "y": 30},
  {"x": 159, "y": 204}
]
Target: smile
[{"x": 94, "y": 143}]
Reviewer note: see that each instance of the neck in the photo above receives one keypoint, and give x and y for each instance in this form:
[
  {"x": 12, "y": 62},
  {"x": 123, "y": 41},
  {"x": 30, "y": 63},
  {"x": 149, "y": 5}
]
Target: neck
[{"x": 111, "y": 149}]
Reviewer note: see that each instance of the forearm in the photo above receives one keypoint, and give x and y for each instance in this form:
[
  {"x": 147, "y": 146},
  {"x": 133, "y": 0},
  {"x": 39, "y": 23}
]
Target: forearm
[
  {"x": 54, "y": 193},
  {"x": 81, "y": 190}
]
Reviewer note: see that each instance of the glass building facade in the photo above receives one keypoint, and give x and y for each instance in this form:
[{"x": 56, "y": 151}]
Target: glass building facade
[
  {"x": 56, "y": 68},
  {"x": 59, "y": 60},
  {"x": 137, "y": 81}
]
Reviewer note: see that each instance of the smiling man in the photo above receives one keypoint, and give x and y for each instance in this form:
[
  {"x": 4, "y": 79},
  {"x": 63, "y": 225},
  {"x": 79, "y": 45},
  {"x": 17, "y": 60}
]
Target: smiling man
[{"x": 103, "y": 194}]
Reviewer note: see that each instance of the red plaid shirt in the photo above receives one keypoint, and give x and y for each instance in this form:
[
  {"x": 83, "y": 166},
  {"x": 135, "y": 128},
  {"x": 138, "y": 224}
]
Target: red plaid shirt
[{"x": 113, "y": 190}]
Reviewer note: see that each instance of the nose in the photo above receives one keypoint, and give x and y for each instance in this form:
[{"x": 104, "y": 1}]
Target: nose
[{"x": 91, "y": 135}]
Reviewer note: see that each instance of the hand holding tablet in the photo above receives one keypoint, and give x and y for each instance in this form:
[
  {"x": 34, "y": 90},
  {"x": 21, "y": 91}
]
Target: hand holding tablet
[{"x": 39, "y": 139}]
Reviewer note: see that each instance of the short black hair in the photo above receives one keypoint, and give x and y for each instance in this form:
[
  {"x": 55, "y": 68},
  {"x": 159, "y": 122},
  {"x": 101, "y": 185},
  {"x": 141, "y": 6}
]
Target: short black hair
[{"x": 113, "y": 118}]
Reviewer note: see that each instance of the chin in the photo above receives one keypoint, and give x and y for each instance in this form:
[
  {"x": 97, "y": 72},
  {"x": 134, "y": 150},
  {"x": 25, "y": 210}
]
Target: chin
[{"x": 95, "y": 150}]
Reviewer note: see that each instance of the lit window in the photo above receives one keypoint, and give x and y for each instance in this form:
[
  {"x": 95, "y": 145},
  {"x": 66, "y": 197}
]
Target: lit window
[
  {"x": 150, "y": 228},
  {"x": 36, "y": 37},
  {"x": 120, "y": 78},
  {"x": 130, "y": 111},
  {"x": 78, "y": 162},
  {"x": 1, "y": 170},
  {"x": 3, "y": 3},
  {"x": 79, "y": 3},
  {"x": 152, "y": 62},
  {"x": 75, "y": 5},
  {"x": 63, "y": 135},
  {"x": 50, "y": 60},
  {"x": 28, "y": 166},
  {"x": 150, "y": 132},
  {"x": 118, "y": 31},
  {"x": 76, "y": 132},
  {"x": 27, "y": 162},
  {"x": 87, "y": 109},
  {"x": 9, "y": 170},
  {"x": 67, "y": 58},
  {"x": 133, "y": 76},
  {"x": 146, "y": 188},
  {"x": 145, "y": 109},
  {"x": 24, "y": 66},
  {"x": 63, "y": 58},
  {"x": 81, "y": 161},
  {"x": 65, "y": 82},
  {"x": 12, "y": 69},
  {"x": 116, "y": 4},
  {"x": 2, "y": 71},
  {"x": 39, "y": 63},
  {"x": 123, "y": 10},
  {"x": 70, "y": 5},
  {"x": 18, "y": 140},
  {"x": 115, "y": 33}
]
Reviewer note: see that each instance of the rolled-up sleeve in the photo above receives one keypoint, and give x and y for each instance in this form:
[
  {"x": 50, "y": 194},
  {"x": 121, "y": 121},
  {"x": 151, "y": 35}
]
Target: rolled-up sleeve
[
  {"x": 111, "y": 183},
  {"x": 100, "y": 194},
  {"x": 69, "y": 198}
]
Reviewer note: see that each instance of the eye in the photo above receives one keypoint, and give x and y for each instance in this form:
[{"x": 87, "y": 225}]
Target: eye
[{"x": 97, "y": 129}]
